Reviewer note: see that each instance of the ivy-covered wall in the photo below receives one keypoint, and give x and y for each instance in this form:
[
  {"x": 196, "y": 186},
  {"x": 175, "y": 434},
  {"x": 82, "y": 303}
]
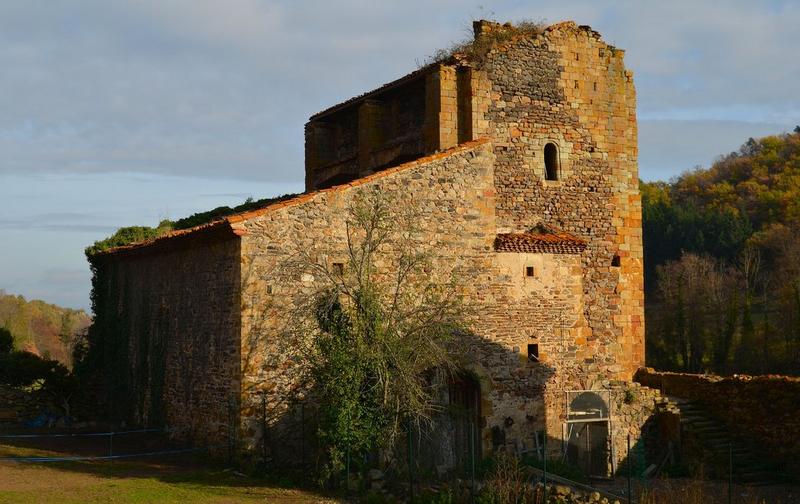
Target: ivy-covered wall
[{"x": 168, "y": 332}]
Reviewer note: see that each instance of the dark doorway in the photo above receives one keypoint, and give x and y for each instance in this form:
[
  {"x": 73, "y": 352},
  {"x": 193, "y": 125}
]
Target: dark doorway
[
  {"x": 465, "y": 411},
  {"x": 588, "y": 447},
  {"x": 588, "y": 440}
]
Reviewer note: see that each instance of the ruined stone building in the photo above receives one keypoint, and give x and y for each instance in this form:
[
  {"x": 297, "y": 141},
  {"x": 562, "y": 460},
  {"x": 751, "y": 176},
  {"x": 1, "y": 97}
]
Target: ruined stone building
[{"x": 522, "y": 161}]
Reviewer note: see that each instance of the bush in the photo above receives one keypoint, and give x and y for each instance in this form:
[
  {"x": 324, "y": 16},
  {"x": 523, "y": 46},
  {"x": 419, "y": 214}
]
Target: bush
[
  {"x": 631, "y": 396},
  {"x": 6, "y": 341},
  {"x": 127, "y": 235},
  {"x": 476, "y": 49},
  {"x": 47, "y": 377},
  {"x": 23, "y": 369},
  {"x": 507, "y": 482}
]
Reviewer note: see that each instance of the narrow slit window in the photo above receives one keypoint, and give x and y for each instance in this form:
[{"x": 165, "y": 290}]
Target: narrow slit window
[
  {"x": 533, "y": 352},
  {"x": 529, "y": 271},
  {"x": 551, "y": 161}
]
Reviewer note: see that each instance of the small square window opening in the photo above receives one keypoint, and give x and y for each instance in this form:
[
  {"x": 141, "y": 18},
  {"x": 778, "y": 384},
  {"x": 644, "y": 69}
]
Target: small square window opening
[
  {"x": 533, "y": 352},
  {"x": 615, "y": 261},
  {"x": 338, "y": 269},
  {"x": 529, "y": 271}
]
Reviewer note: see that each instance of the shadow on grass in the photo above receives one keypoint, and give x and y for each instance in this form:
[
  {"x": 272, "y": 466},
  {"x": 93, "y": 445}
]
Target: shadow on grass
[{"x": 193, "y": 471}]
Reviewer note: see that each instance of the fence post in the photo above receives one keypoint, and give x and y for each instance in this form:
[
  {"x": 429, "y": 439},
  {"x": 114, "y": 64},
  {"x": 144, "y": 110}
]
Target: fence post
[
  {"x": 730, "y": 473},
  {"x": 232, "y": 415},
  {"x": 472, "y": 461},
  {"x": 264, "y": 427},
  {"x": 411, "y": 462},
  {"x": 303, "y": 435},
  {"x": 544, "y": 458},
  {"x": 347, "y": 470},
  {"x": 630, "y": 493},
  {"x": 111, "y": 444}
]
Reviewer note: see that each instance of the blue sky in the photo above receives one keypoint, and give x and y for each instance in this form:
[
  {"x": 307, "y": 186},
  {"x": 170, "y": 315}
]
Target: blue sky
[{"x": 128, "y": 112}]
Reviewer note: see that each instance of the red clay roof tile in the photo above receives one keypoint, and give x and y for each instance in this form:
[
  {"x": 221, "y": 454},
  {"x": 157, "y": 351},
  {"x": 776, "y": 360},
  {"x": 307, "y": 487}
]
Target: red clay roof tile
[{"x": 539, "y": 243}]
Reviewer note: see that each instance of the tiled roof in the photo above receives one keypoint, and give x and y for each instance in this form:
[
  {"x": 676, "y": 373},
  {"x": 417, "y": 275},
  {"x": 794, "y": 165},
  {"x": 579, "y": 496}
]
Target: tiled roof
[
  {"x": 539, "y": 243},
  {"x": 231, "y": 225}
]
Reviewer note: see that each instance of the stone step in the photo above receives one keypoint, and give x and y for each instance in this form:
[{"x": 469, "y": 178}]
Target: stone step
[
  {"x": 747, "y": 467},
  {"x": 763, "y": 477},
  {"x": 710, "y": 435},
  {"x": 707, "y": 428}
]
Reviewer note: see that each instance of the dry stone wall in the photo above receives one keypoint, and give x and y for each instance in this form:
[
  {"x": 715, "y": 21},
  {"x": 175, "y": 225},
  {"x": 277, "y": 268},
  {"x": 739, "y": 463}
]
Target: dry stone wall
[
  {"x": 762, "y": 409},
  {"x": 17, "y": 405}
]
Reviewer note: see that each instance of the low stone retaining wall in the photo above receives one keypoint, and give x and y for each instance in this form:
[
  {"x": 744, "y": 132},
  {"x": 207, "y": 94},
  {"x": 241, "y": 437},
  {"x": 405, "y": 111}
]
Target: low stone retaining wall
[
  {"x": 649, "y": 418},
  {"x": 17, "y": 405},
  {"x": 762, "y": 409}
]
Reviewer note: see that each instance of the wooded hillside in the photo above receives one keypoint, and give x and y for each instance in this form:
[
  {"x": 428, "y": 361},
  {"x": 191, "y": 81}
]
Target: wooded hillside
[
  {"x": 722, "y": 259},
  {"x": 41, "y": 328}
]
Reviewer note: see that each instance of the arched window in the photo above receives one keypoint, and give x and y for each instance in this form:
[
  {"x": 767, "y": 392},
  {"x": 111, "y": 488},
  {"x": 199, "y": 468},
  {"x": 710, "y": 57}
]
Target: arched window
[{"x": 551, "y": 162}]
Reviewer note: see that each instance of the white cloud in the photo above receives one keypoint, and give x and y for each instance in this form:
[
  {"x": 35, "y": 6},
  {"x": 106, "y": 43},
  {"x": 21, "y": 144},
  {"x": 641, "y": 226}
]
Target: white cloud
[{"x": 199, "y": 87}]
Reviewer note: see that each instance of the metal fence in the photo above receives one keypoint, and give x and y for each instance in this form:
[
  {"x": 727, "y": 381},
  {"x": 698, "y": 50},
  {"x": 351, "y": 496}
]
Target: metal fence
[{"x": 109, "y": 454}]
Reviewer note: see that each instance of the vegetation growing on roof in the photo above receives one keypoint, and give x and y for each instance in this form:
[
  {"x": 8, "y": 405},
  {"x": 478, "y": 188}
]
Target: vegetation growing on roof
[
  {"x": 223, "y": 211},
  {"x": 133, "y": 234},
  {"x": 129, "y": 234},
  {"x": 475, "y": 48}
]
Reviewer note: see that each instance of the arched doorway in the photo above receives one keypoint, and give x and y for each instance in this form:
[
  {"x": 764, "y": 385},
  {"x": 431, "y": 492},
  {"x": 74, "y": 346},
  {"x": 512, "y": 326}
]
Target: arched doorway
[
  {"x": 454, "y": 437},
  {"x": 464, "y": 398},
  {"x": 588, "y": 433}
]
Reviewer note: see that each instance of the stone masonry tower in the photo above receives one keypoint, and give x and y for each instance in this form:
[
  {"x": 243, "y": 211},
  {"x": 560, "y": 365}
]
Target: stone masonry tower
[{"x": 559, "y": 108}]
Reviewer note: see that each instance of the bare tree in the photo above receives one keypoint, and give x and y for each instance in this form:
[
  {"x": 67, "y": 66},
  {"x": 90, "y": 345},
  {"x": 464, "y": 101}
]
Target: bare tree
[{"x": 381, "y": 316}]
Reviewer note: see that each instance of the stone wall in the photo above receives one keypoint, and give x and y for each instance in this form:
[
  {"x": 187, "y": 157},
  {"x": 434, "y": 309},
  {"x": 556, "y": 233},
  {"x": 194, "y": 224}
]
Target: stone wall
[
  {"x": 171, "y": 324},
  {"x": 762, "y": 409},
  {"x": 18, "y": 405},
  {"x": 568, "y": 87},
  {"x": 453, "y": 195},
  {"x": 650, "y": 419}
]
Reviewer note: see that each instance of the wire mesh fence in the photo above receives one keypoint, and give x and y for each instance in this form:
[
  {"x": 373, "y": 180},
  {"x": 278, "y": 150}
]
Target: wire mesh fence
[{"x": 93, "y": 446}]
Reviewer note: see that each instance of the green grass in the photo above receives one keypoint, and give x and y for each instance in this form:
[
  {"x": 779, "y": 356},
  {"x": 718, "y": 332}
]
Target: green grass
[{"x": 137, "y": 482}]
